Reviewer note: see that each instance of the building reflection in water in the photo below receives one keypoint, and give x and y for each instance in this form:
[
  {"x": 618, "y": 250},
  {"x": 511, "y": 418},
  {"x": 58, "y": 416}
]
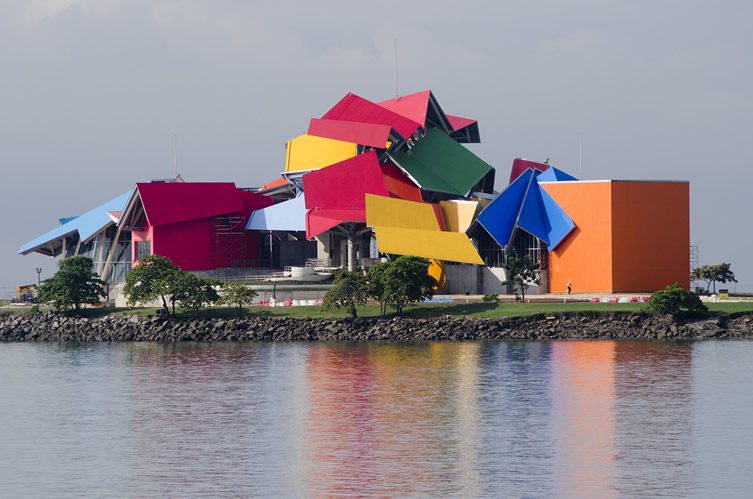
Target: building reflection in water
[
  {"x": 515, "y": 406},
  {"x": 583, "y": 418},
  {"x": 653, "y": 414},
  {"x": 196, "y": 408},
  {"x": 392, "y": 419}
]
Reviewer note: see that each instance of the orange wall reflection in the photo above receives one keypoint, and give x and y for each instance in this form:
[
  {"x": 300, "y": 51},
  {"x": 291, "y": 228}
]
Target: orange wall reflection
[{"x": 583, "y": 418}]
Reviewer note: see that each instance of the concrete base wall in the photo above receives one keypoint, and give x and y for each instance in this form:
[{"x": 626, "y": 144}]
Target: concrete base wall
[{"x": 474, "y": 280}]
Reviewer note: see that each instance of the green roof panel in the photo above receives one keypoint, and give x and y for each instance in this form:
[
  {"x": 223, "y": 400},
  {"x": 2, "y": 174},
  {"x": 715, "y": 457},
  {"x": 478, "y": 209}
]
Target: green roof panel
[{"x": 440, "y": 164}]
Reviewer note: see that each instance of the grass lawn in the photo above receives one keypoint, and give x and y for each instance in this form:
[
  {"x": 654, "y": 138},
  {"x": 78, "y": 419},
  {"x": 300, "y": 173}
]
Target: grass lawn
[{"x": 422, "y": 310}]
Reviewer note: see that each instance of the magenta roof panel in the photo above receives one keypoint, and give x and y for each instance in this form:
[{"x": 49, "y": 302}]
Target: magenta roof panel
[
  {"x": 173, "y": 202},
  {"x": 520, "y": 165},
  {"x": 367, "y": 134},
  {"x": 355, "y": 108}
]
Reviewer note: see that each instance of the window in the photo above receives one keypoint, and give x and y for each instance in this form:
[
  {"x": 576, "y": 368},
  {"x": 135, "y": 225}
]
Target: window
[{"x": 143, "y": 249}]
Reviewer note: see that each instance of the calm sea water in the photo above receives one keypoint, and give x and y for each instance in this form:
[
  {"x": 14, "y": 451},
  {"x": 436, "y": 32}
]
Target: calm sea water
[{"x": 585, "y": 419}]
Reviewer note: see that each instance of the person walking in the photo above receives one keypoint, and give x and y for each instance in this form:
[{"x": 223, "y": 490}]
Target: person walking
[{"x": 569, "y": 287}]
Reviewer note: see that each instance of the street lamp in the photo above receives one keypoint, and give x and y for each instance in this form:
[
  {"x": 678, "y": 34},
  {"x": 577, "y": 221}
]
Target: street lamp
[{"x": 39, "y": 276}]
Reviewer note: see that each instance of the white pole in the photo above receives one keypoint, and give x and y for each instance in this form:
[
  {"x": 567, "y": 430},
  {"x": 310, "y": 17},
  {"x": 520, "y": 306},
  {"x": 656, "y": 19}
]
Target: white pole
[
  {"x": 396, "y": 75},
  {"x": 175, "y": 156},
  {"x": 580, "y": 157}
]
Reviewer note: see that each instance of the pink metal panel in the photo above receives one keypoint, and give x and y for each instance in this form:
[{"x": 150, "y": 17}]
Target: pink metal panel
[
  {"x": 458, "y": 122},
  {"x": 412, "y": 106},
  {"x": 367, "y": 134},
  {"x": 355, "y": 108},
  {"x": 521, "y": 165}
]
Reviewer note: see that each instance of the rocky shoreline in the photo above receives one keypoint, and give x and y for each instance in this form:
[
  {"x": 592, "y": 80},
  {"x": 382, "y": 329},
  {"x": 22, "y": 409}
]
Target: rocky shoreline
[{"x": 53, "y": 327}]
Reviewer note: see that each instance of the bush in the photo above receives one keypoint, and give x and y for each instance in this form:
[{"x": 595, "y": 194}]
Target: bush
[
  {"x": 73, "y": 285},
  {"x": 407, "y": 280},
  {"x": 237, "y": 294},
  {"x": 675, "y": 300},
  {"x": 349, "y": 292},
  {"x": 490, "y": 298}
]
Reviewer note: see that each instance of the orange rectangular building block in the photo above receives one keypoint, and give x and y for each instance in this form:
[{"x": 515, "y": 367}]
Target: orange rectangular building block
[{"x": 630, "y": 236}]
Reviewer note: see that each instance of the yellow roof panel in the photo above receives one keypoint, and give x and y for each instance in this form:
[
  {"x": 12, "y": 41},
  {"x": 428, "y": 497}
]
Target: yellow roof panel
[
  {"x": 308, "y": 152},
  {"x": 458, "y": 215},
  {"x": 382, "y": 211},
  {"x": 448, "y": 246}
]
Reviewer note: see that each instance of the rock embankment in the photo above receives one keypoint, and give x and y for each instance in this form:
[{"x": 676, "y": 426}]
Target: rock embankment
[{"x": 52, "y": 327}]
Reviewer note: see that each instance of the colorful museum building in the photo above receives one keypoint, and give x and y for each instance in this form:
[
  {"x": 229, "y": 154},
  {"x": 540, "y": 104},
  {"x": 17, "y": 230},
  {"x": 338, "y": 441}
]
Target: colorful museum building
[{"x": 373, "y": 180}]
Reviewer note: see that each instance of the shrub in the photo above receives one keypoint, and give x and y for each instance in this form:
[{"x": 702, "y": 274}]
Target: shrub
[
  {"x": 349, "y": 291},
  {"x": 675, "y": 300},
  {"x": 74, "y": 284},
  {"x": 238, "y": 294},
  {"x": 490, "y": 298},
  {"x": 406, "y": 280}
]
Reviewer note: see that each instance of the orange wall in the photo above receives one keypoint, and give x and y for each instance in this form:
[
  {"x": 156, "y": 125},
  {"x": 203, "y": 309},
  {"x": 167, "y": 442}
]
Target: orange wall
[
  {"x": 650, "y": 235},
  {"x": 585, "y": 256},
  {"x": 629, "y": 236}
]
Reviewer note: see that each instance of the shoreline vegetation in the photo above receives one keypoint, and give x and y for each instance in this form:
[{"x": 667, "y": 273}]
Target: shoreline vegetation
[{"x": 421, "y": 322}]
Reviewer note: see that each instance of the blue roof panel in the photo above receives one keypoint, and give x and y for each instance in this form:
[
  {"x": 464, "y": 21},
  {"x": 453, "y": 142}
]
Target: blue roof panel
[
  {"x": 553, "y": 174},
  {"x": 560, "y": 224},
  {"x": 501, "y": 215},
  {"x": 288, "y": 215},
  {"x": 87, "y": 225}
]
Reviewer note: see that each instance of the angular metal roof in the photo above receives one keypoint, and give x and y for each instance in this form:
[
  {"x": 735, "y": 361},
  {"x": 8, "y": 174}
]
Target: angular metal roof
[
  {"x": 288, "y": 215},
  {"x": 355, "y": 108},
  {"x": 367, "y": 134},
  {"x": 438, "y": 163},
  {"x": 410, "y": 228},
  {"x": 526, "y": 205},
  {"x": 87, "y": 226}
]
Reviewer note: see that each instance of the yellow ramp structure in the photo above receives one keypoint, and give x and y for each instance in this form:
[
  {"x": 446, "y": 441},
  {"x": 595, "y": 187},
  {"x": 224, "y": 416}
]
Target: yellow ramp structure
[
  {"x": 458, "y": 215},
  {"x": 449, "y": 246},
  {"x": 382, "y": 211},
  {"x": 411, "y": 228},
  {"x": 308, "y": 152}
]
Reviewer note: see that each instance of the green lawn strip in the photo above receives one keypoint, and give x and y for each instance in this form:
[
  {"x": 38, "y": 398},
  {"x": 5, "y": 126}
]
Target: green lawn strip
[{"x": 424, "y": 310}]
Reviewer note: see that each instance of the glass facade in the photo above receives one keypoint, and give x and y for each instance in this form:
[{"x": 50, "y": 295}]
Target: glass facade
[{"x": 98, "y": 249}]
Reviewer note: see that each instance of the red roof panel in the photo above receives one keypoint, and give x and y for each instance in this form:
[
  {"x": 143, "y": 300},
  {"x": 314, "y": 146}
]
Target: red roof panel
[
  {"x": 338, "y": 192},
  {"x": 412, "y": 106},
  {"x": 355, "y": 108},
  {"x": 399, "y": 185},
  {"x": 367, "y": 134},
  {"x": 344, "y": 184},
  {"x": 458, "y": 122},
  {"x": 521, "y": 165}
]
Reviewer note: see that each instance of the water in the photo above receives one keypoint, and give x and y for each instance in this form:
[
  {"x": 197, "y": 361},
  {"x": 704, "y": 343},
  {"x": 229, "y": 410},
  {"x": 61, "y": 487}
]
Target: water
[{"x": 585, "y": 419}]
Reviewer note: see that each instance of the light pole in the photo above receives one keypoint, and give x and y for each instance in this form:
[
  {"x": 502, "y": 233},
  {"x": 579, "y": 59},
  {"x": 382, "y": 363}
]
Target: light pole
[{"x": 39, "y": 275}]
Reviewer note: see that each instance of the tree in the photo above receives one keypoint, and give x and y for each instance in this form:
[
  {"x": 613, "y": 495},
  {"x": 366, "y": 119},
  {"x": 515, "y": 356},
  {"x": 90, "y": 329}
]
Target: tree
[
  {"x": 349, "y": 291},
  {"x": 521, "y": 273},
  {"x": 193, "y": 292},
  {"x": 675, "y": 300},
  {"x": 154, "y": 277},
  {"x": 375, "y": 285},
  {"x": 712, "y": 274},
  {"x": 74, "y": 284},
  {"x": 238, "y": 294},
  {"x": 406, "y": 280}
]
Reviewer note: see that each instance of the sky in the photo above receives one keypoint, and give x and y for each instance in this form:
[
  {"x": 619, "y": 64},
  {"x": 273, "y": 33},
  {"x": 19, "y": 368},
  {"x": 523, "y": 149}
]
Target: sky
[{"x": 93, "y": 91}]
